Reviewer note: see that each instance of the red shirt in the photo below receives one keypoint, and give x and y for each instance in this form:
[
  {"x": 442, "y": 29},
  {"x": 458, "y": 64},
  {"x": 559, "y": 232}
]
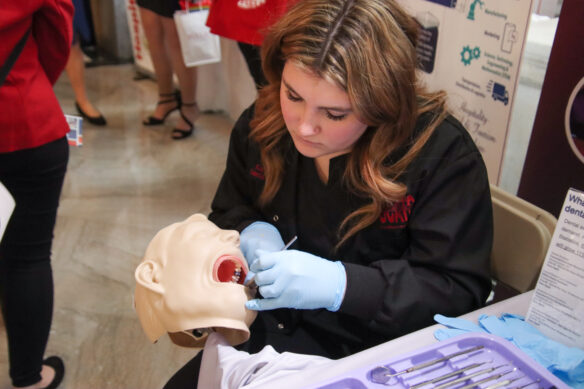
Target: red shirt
[
  {"x": 30, "y": 114},
  {"x": 245, "y": 25}
]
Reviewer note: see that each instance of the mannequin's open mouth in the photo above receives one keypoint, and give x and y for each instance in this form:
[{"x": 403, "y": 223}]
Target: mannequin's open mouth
[{"x": 229, "y": 268}]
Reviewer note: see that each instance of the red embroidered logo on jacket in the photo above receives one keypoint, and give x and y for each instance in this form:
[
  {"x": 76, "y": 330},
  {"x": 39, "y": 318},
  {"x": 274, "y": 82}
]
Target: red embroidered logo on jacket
[
  {"x": 258, "y": 172},
  {"x": 398, "y": 214}
]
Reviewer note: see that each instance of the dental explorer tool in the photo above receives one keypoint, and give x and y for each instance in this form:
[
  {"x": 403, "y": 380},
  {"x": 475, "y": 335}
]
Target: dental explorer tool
[
  {"x": 448, "y": 375},
  {"x": 493, "y": 377},
  {"x": 290, "y": 243},
  {"x": 503, "y": 383},
  {"x": 251, "y": 283},
  {"x": 467, "y": 377},
  {"x": 528, "y": 384},
  {"x": 384, "y": 378}
]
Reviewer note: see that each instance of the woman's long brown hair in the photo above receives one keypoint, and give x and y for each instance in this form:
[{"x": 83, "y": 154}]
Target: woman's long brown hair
[{"x": 367, "y": 48}]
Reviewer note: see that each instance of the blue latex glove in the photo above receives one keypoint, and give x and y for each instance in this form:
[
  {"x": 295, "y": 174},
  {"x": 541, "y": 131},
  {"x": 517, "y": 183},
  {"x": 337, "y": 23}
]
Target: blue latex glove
[
  {"x": 566, "y": 363},
  {"x": 258, "y": 236},
  {"x": 296, "y": 279}
]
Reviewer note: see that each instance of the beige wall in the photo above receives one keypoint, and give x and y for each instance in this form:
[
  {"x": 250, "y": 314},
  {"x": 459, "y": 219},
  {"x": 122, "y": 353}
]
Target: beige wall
[{"x": 226, "y": 86}]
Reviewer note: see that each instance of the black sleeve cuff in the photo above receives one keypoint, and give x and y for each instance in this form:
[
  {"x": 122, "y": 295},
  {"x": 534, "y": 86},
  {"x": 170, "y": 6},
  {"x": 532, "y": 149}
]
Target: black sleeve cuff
[{"x": 364, "y": 292}]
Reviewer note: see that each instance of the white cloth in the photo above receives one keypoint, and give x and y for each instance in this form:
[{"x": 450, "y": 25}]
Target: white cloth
[{"x": 224, "y": 367}]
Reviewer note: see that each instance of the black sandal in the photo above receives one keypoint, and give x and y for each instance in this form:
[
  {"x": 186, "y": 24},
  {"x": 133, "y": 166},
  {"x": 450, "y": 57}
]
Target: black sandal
[
  {"x": 154, "y": 121},
  {"x": 57, "y": 364},
  {"x": 178, "y": 133}
]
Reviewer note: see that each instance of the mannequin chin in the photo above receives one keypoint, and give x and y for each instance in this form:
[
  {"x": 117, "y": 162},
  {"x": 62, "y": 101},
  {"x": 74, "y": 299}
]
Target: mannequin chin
[{"x": 190, "y": 283}]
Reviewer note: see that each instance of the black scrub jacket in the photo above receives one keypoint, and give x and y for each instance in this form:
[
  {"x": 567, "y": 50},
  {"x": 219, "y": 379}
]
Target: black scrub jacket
[{"x": 427, "y": 254}]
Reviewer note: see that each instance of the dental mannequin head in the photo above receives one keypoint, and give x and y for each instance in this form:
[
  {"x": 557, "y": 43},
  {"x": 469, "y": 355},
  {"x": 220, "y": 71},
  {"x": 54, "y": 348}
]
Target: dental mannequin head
[{"x": 190, "y": 281}]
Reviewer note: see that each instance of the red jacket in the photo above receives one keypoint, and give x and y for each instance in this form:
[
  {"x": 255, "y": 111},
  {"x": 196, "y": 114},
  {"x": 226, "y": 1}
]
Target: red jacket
[
  {"x": 30, "y": 114},
  {"x": 246, "y": 25}
]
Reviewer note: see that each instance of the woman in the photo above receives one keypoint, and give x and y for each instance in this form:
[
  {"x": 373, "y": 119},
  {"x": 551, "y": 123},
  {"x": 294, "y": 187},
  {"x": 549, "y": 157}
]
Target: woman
[
  {"x": 33, "y": 160},
  {"x": 164, "y": 46},
  {"x": 75, "y": 68},
  {"x": 386, "y": 192}
]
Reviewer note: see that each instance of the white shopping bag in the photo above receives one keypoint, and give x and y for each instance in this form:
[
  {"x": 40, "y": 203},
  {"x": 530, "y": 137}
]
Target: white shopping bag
[{"x": 199, "y": 46}]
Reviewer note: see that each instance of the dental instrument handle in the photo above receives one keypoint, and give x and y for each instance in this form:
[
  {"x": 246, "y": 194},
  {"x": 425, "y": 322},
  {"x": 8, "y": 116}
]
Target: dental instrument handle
[
  {"x": 466, "y": 377},
  {"x": 502, "y": 383},
  {"x": 251, "y": 283},
  {"x": 529, "y": 384},
  {"x": 290, "y": 243},
  {"x": 435, "y": 361},
  {"x": 493, "y": 377},
  {"x": 446, "y": 376}
]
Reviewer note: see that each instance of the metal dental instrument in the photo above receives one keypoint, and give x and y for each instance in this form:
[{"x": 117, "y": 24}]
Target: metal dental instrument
[
  {"x": 503, "y": 383},
  {"x": 466, "y": 377},
  {"x": 290, "y": 243},
  {"x": 528, "y": 384},
  {"x": 251, "y": 283},
  {"x": 448, "y": 375},
  {"x": 491, "y": 378},
  {"x": 423, "y": 365}
]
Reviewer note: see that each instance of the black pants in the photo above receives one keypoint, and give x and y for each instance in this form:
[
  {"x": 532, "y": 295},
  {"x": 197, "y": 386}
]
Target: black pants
[
  {"x": 34, "y": 177},
  {"x": 252, "y": 57},
  {"x": 187, "y": 377}
]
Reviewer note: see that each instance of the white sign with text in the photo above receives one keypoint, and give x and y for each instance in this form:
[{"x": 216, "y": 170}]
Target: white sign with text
[{"x": 557, "y": 306}]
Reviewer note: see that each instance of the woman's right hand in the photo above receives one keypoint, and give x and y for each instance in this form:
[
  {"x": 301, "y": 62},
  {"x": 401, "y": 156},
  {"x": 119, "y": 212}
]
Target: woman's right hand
[{"x": 259, "y": 236}]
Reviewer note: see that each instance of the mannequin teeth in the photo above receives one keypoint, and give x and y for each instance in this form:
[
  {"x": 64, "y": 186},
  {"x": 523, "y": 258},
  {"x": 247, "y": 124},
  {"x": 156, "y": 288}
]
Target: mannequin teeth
[
  {"x": 229, "y": 269},
  {"x": 236, "y": 275}
]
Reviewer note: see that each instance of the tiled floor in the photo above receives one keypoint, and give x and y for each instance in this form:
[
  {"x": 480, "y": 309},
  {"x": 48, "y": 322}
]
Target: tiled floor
[{"x": 123, "y": 185}]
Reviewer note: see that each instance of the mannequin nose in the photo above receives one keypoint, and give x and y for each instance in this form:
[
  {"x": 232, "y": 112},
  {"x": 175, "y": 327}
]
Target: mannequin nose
[{"x": 230, "y": 236}]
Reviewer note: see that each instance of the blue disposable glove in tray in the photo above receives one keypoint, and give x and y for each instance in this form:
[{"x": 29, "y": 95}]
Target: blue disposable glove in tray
[
  {"x": 258, "y": 236},
  {"x": 296, "y": 279},
  {"x": 566, "y": 363}
]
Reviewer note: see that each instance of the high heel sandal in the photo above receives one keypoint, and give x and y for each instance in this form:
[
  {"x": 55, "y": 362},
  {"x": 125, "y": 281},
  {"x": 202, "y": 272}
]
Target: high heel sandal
[
  {"x": 154, "y": 121},
  {"x": 178, "y": 133}
]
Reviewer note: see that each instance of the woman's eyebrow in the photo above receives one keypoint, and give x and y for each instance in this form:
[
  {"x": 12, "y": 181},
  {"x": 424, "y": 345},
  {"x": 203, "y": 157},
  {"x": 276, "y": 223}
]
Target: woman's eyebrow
[
  {"x": 339, "y": 109},
  {"x": 289, "y": 87}
]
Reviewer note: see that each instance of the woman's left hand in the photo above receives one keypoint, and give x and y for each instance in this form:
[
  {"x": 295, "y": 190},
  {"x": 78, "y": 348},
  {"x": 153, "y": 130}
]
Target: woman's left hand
[{"x": 297, "y": 279}]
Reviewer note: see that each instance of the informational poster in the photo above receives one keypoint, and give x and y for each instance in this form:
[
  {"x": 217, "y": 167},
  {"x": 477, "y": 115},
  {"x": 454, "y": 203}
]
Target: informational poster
[
  {"x": 6, "y": 208},
  {"x": 555, "y": 157},
  {"x": 557, "y": 306},
  {"x": 472, "y": 49}
]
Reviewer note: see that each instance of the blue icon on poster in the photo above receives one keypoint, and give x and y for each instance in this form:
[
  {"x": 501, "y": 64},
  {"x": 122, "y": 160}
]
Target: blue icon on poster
[
  {"x": 467, "y": 54},
  {"x": 499, "y": 92},
  {"x": 471, "y": 12}
]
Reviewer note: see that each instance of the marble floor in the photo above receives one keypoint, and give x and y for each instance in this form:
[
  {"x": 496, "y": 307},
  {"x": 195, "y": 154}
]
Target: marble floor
[{"x": 124, "y": 184}]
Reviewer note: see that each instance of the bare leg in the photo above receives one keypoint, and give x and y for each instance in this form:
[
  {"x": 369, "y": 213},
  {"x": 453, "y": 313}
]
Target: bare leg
[
  {"x": 75, "y": 70},
  {"x": 153, "y": 28},
  {"x": 187, "y": 76}
]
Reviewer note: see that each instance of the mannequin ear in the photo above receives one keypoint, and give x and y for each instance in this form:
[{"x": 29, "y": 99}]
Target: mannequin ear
[{"x": 148, "y": 275}]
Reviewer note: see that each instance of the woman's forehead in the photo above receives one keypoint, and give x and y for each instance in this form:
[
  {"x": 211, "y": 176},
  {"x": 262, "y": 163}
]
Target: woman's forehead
[{"x": 311, "y": 86}]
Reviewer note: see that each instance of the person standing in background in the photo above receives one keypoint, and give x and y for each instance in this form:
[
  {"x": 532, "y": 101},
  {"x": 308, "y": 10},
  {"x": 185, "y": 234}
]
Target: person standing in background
[
  {"x": 33, "y": 160},
  {"x": 245, "y": 22},
  {"x": 75, "y": 68},
  {"x": 165, "y": 51}
]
